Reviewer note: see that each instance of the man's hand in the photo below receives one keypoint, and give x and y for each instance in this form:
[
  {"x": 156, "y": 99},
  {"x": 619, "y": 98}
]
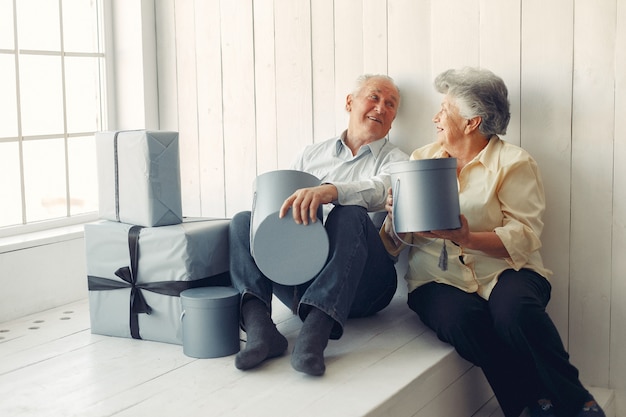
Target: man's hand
[{"x": 306, "y": 201}]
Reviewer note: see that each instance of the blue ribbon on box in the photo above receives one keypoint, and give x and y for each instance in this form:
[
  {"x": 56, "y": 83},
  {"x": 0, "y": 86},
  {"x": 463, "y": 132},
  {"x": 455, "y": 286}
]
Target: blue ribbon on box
[{"x": 138, "y": 304}]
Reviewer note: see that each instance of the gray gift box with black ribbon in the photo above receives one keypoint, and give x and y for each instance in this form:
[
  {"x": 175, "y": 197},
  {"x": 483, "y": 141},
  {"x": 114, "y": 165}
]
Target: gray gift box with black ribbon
[
  {"x": 139, "y": 177},
  {"x": 135, "y": 274}
]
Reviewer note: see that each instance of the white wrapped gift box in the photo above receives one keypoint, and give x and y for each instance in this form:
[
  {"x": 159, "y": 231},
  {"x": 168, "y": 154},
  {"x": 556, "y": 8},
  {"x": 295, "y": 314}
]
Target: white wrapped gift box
[
  {"x": 139, "y": 177},
  {"x": 136, "y": 274}
]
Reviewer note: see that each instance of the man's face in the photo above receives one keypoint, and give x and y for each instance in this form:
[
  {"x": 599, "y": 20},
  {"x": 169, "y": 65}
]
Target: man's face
[{"x": 373, "y": 109}]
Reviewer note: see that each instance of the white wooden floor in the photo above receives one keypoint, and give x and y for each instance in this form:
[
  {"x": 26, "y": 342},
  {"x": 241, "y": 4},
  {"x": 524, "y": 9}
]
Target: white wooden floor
[{"x": 387, "y": 365}]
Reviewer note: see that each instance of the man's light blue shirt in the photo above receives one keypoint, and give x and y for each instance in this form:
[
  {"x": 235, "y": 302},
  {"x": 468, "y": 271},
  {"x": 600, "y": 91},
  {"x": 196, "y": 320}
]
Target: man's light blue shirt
[{"x": 361, "y": 179}]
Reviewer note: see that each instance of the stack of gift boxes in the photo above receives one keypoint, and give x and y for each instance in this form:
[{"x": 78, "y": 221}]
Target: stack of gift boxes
[{"x": 143, "y": 253}]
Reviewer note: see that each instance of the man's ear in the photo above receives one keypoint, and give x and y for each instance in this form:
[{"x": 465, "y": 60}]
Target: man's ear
[{"x": 349, "y": 102}]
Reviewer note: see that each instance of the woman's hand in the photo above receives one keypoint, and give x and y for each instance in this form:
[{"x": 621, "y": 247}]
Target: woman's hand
[
  {"x": 487, "y": 242},
  {"x": 389, "y": 229},
  {"x": 389, "y": 203},
  {"x": 460, "y": 236}
]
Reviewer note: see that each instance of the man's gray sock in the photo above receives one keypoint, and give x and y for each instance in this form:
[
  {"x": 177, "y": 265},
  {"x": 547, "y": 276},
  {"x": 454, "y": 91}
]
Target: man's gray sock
[
  {"x": 264, "y": 341},
  {"x": 308, "y": 353}
]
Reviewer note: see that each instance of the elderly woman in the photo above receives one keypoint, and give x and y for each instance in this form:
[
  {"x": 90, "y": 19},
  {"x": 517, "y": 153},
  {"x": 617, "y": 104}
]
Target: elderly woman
[{"x": 483, "y": 287}]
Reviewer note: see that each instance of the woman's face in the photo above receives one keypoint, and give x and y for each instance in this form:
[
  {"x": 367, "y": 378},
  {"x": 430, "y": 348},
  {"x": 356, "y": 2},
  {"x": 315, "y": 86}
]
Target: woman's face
[{"x": 449, "y": 123}]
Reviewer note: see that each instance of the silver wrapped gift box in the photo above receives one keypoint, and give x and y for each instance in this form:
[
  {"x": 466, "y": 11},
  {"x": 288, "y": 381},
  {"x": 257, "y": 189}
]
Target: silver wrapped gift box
[
  {"x": 136, "y": 274},
  {"x": 139, "y": 177}
]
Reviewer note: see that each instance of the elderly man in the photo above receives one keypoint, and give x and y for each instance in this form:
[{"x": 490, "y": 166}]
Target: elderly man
[{"x": 359, "y": 278}]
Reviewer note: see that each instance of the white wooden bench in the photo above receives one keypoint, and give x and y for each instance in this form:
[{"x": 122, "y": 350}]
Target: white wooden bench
[
  {"x": 389, "y": 364},
  {"x": 385, "y": 365}
]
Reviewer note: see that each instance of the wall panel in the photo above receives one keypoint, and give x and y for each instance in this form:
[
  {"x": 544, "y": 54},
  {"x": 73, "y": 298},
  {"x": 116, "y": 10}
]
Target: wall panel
[
  {"x": 592, "y": 181},
  {"x": 500, "y": 52},
  {"x": 293, "y": 92},
  {"x": 38, "y": 278},
  {"x": 617, "y": 364},
  {"x": 410, "y": 64},
  {"x": 165, "y": 16},
  {"x": 546, "y": 91},
  {"x": 455, "y": 34},
  {"x": 210, "y": 122},
  {"x": 348, "y": 54},
  {"x": 240, "y": 148},
  {"x": 265, "y": 85},
  {"x": 187, "y": 86},
  {"x": 375, "y": 36},
  {"x": 323, "y": 70}
]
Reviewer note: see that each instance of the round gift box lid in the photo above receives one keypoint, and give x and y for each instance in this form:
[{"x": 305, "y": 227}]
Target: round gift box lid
[
  {"x": 289, "y": 253},
  {"x": 209, "y": 297},
  {"x": 421, "y": 165}
]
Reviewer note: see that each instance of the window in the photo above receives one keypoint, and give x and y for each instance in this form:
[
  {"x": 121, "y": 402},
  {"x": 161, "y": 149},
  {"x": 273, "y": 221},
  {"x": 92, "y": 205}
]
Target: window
[{"x": 52, "y": 81}]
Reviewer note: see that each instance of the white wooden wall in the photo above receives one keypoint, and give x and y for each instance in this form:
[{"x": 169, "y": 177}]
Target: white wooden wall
[{"x": 249, "y": 83}]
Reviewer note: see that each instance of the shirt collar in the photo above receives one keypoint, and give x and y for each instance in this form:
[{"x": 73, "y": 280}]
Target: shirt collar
[
  {"x": 489, "y": 155},
  {"x": 374, "y": 147}
]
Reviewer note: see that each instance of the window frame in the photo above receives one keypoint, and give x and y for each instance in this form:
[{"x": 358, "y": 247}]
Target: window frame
[
  {"x": 131, "y": 92},
  {"x": 107, "y": 100}
]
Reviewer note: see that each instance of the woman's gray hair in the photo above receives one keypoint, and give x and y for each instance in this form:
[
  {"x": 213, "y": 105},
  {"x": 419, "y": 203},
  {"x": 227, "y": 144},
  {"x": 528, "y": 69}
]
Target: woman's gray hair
[
  {"x": 478, "y": 92},
  {"x": 362, "y": 79}
]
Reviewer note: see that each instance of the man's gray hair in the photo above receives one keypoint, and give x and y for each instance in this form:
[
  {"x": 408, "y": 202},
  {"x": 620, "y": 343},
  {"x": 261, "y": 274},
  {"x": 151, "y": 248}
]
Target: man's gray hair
[{"x": 362, "y": 79}]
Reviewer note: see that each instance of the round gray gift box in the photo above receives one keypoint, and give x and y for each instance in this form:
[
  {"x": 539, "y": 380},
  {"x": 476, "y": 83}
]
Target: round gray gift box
[
  {"x": 425, "y": 195},
  {"x": 286, "y": 252},
  {"x": 210, "y": 321}
]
